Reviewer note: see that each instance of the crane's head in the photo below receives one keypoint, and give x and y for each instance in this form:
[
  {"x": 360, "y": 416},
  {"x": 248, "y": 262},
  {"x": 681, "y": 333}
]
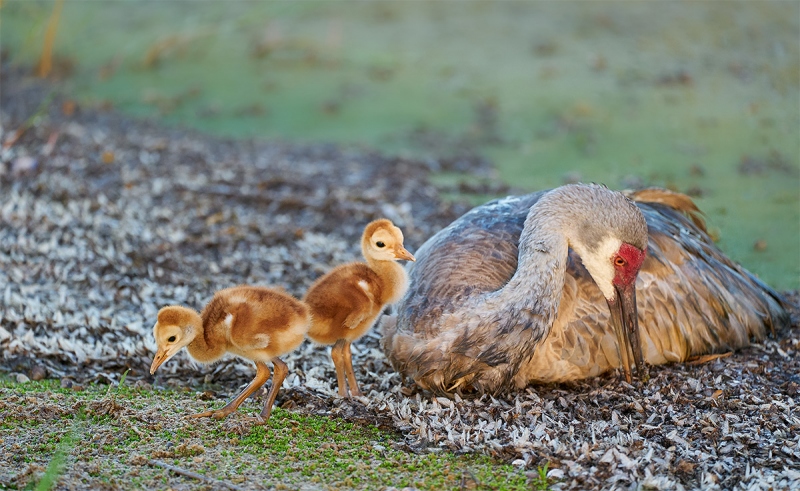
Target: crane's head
[
  {"x": 611, "y": 239},
  {"x": 175, "y": 328},
  {"x": 383, "y": 241}
]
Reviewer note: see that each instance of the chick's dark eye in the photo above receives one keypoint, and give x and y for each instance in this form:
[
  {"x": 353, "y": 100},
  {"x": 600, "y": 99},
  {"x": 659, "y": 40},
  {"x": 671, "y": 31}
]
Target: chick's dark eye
[
  {"x": 171, "y": 339},
  {"x": 380, "y": 244}
]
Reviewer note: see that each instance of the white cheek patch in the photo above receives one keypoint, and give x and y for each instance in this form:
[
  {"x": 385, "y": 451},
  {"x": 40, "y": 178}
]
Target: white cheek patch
[
  {"x": 228, "y": 320},
  {"x": 364, "y": 286},
  {"x": 599, "y": 265}
]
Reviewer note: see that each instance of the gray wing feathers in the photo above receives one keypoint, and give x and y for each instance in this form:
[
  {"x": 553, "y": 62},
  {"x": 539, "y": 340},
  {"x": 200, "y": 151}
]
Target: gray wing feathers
[{"x": 475, "y": 254}]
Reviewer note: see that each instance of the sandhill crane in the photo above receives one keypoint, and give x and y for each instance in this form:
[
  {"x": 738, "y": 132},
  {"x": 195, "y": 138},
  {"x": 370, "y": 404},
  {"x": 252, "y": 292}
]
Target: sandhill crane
[{"x": 540, "y": 288}]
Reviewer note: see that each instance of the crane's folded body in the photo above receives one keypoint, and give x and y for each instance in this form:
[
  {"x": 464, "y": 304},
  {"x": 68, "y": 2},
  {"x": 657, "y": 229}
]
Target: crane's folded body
[{"x": 468, "y": 323}]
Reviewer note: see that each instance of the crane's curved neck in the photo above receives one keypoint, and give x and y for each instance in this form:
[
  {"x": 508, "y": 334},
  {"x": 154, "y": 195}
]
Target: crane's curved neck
[{"x": 532, "y": 296}]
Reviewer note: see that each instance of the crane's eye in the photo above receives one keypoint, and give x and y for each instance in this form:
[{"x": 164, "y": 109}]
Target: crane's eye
[
  {"x": 380, "y": 244},
  {"x": 619, "y": 261},
  {"x": 171, "y": 339}
]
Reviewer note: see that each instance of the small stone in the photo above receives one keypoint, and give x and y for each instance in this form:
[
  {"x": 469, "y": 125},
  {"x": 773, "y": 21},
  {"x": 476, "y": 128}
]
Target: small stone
[
  {"x": 66, "y": 383},
  {"x": 38, "y": 373},
  {"x": 141, "y": 384},
  {"x": 24, "y": 165},
  {"x": 684, "y": 467},
  {"x": 68, "y": 108},
  {"x": 21, "y": 378},
  {"x": 207, "y": 396}
]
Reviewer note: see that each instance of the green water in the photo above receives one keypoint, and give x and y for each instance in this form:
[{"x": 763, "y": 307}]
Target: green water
[{"x": 672, "y": 94}]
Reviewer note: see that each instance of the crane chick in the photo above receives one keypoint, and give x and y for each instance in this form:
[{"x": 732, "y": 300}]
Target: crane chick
[
  {"x": 346, "y": 301},
  {"x": 252, "y": 322}
]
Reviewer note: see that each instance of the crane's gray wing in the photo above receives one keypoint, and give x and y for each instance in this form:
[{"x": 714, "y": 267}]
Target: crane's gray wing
[
  {"x": 428, "y": 339},
  {"x": 475, "y": 254}
]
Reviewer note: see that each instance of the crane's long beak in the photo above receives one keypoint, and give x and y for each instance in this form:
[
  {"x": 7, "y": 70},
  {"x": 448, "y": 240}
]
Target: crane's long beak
[
  {"x": 402, "y": 253},
  {"x": 625, "y": 320},
  {"x": 162, "y": 355}
]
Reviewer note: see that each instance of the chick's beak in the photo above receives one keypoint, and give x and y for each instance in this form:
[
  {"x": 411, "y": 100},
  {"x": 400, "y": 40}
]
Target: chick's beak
[
  {"x": 625, "y": 320},
  {"x": 162, "y": 355},
  {"x": 402, "y": 253}
]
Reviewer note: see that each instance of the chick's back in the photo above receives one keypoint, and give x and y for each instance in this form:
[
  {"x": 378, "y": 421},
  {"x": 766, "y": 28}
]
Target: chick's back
[
  {"x": 342, "y": 302},
  {"x": 261, "y": 318}
]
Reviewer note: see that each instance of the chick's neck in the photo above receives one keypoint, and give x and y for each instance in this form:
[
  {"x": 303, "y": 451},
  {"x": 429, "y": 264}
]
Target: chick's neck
[
  {"x": 200, "y": 348},
  {"x": 393, "y": 277}
]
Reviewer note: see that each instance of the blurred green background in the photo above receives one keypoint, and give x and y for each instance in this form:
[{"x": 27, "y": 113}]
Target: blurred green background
[{"x": 700, "y": 97}]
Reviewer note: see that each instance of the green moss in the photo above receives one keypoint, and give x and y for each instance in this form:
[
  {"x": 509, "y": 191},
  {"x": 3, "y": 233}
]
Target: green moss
[{"x": 292, "y": 449}]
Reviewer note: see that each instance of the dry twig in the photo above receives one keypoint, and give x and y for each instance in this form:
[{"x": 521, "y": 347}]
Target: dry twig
[
  {"x": 46, "y": 61},
  {"x": 193, "y": 475}
]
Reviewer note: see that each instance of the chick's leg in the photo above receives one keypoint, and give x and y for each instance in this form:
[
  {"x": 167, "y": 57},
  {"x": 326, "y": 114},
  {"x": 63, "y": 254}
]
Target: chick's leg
[
  {"x": 280, "y": 369},
  {"x": 351, "y": 376},
  {"x": 262, "y": 375},
  {"x": 338, "y": 357}
]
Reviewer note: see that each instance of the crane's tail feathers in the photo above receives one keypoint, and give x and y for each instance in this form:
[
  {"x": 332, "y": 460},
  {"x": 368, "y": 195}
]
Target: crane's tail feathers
[
  {"x": 732, "y": 303},
  {"x": 770, "y": 309},
  {"x": 778, "y": 315}
]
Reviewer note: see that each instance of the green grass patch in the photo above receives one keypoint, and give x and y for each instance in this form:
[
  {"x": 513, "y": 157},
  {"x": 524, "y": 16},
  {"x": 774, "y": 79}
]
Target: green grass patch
[{"x": 107, "y": 434}]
